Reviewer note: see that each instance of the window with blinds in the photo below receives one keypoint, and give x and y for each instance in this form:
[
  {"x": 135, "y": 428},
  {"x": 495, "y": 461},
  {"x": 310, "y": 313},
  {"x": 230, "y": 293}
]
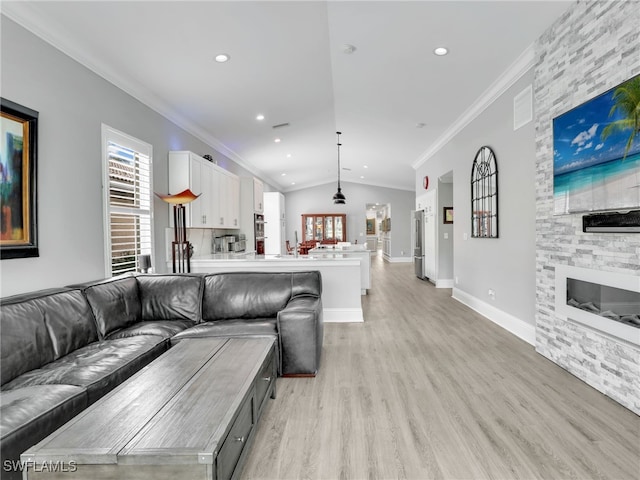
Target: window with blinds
[{"x": 128, "y": 202}]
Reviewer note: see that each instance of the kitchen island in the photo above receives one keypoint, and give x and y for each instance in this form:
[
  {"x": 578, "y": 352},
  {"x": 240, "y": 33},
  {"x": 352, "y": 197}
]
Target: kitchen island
[
  {"x": 341, "y": 276},
  {"x": 352, "y": 251}
]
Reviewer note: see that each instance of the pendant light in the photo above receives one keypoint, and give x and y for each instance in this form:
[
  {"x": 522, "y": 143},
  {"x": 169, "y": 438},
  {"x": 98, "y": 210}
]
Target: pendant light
[{"x": 339, "y": 197}]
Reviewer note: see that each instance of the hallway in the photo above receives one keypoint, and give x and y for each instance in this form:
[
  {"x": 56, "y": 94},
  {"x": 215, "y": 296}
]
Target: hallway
[{"x": 427, "y": 388}]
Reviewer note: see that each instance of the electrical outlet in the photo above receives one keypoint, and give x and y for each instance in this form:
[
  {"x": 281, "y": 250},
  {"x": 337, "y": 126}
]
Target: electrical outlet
[
  {"x": 464, "y": 236},
  {"x": 492, "y": 294},
  {"x": 446, "y": 235},
  {"x": 457, "y": 281}
]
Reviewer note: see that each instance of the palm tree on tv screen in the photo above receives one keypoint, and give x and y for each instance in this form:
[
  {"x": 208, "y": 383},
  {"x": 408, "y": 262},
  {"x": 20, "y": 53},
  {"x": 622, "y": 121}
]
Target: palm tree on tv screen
[{"x": 627, "y": 102}]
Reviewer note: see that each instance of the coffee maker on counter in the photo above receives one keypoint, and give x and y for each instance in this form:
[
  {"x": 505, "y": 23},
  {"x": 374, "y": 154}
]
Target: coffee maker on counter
[{"x": 229, "y": 243}]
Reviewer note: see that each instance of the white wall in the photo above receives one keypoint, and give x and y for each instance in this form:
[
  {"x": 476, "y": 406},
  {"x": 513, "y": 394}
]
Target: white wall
[
  {"x": 319, "y": 200},
  {"x": 445, "y": 245},
  {"x": 505, "y": 264},
  {"x": 73, "y": 102}
]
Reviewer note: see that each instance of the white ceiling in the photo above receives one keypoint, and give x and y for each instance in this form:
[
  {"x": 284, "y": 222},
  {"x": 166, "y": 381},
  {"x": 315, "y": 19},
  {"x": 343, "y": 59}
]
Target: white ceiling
[{"x": 287, "y": 62}]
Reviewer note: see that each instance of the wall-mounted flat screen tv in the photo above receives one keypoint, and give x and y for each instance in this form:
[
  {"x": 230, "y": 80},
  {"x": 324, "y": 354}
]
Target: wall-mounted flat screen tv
[{"x": 596, "y": 153}]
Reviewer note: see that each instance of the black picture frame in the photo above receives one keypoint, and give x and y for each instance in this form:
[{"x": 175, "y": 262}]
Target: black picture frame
[
  {"x": 447, "y": 215},
  {"x": 18, "y": 181}
]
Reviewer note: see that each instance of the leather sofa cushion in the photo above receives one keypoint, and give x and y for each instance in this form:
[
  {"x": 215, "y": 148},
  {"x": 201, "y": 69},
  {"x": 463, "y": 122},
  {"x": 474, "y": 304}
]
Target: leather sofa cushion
[
  {"x": 161, "y": 328},
  {"x": 29, "y": 414},
  {"x": 245, "y": 295},
  {"x": 230, "y": 328},
  {"x": 306, "y": 283},
  {"x": 115, "y": 304},
  {"x": 69, "y": 320},
  {"x": 25, "y": 343},
  {"x": 171, "y": 297},
  {"x": 99, "y": 367}
]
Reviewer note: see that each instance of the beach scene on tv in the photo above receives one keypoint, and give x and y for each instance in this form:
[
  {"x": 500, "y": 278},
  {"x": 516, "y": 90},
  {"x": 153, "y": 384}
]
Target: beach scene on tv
[{"x": 596, "y": 153}]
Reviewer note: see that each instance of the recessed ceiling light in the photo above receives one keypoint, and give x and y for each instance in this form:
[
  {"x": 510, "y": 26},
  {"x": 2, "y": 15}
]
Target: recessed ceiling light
[
  {"x": 293, "y": 183},
  {"x": 361, "y": 176},
  {"x": 277, "y": 140},
  {"x": 441, "y": 51},
  {"x": 366, "y": 166},
  {"x": 283, "y": 174},
  {"x": 222, "y": 57},
  {"x": 288, "y": 155},
  {"x": 259, "y": 117}
]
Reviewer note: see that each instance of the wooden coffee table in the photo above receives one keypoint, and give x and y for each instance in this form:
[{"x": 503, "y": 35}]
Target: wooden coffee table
[{"x": 189, "y": 414}]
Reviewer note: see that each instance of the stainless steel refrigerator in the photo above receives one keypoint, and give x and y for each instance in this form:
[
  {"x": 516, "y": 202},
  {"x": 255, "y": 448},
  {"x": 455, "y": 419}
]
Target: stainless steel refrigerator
[{"x": 418, "y": 243}]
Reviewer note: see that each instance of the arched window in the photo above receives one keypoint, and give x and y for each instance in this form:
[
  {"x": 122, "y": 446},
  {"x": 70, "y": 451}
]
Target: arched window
[{"x": 484, "y": 195}]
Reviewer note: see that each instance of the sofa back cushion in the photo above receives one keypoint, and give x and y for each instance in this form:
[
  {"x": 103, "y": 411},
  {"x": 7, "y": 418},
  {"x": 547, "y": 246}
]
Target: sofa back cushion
[
  {"x": 115, "y": 304},
  {"x": 245, "y": 295},
  {"x": 171, "y": 297},
  {"x": 25, "y": 343},
  {"x": 69, "y": 320},
  {"x": 306, "y": 283}
]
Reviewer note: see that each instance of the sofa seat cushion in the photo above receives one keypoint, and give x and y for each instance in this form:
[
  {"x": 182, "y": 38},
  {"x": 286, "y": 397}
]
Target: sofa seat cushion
[
  {"x": 160, "y": 328},
  {"x": 230, "y": 328},
  {"x": 99, "y": 367},
  {"x": 29, "y": 414}
]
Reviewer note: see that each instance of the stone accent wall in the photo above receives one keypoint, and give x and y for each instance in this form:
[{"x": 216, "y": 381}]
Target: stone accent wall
[{"x": 590, "y": 49}]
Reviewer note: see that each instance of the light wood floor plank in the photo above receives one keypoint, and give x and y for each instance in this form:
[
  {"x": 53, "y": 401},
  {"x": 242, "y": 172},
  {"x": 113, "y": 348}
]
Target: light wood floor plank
[{"x": 428, "y": 389}]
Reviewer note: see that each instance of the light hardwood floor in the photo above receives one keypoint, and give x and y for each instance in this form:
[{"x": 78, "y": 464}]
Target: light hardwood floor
[{"x": 428, "y": 389}]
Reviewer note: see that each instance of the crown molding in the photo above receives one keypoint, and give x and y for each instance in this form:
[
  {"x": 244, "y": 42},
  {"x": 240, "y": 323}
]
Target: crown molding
[
  {"x": 516, "y": 70},
  {"x": 31, "y": 18}
]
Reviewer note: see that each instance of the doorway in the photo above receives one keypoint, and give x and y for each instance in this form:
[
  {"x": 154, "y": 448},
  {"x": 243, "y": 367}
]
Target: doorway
[{"x": 376, "y": 213}]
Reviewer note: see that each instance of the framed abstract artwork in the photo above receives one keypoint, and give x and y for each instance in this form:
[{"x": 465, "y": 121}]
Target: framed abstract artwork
[{"x": 18, "y": 164}]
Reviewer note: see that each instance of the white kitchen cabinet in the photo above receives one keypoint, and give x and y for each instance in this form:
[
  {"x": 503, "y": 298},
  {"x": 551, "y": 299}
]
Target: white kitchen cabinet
[
  {"x": 219, "y": 203},
  {"x": 258, "y": 196},
  {"x": 234, "y": 206},
  {"x": 251, "y": 195},
  {"x": 274, "y": 224},
  {"x": 188, "y": 170},
  {"x": 228, "y": 199}
]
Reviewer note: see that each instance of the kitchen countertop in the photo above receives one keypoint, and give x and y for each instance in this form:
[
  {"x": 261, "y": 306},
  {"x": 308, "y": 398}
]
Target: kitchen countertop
[{"x": 252, "y": 256}]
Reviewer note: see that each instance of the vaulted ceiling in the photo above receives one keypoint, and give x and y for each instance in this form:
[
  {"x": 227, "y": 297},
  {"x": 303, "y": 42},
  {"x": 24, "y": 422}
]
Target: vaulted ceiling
[{"x": 391, "y": 97}]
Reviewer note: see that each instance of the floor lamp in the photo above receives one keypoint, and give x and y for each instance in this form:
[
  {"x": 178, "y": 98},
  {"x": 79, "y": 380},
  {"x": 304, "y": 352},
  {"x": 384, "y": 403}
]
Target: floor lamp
[{"x": 180, "y": 247}]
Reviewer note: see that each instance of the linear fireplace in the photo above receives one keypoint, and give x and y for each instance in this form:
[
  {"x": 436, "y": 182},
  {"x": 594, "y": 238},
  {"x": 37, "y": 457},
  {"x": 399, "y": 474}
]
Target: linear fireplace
[{"x": 604, "y": 301}]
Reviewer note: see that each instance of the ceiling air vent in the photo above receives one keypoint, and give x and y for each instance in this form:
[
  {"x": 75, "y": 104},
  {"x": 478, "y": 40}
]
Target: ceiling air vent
[{"x": 281, "y": 125}]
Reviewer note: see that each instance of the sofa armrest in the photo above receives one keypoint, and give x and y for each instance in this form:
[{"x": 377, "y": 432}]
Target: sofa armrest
[{"x": 301, "y": 332}]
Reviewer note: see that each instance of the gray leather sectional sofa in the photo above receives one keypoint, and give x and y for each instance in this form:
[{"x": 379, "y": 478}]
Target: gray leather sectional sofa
[{"x": 63, "y": 349}]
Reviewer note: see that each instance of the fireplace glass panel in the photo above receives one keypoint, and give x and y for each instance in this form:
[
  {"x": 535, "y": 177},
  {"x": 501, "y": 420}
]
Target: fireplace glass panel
[{"x": 609, "y": 302}]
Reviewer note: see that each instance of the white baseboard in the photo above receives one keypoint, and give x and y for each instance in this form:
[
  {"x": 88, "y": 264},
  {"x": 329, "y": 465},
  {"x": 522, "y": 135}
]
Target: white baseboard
[
  {"x": 342, "y": 315},
  {"x": 519, "y": 328},
  {"x": 399, "y": 259},
  {"x": 444, "y": 283}
]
